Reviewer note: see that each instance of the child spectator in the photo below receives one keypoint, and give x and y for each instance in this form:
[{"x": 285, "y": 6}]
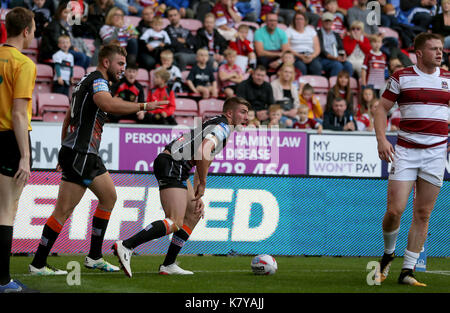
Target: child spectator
[
  {"x": 230, "y": 74},
  {"x": 341, "y": 89},
  {"x": 252, "y": 120},
  {"x": 201, "y": 77},
  {"x": 305, "y": 122},
  {"x": 285, "y": 93},
  {"x": 367, "y": 95},
  {"x": 275, "y": 114},
  {"x": 128, "y": 89},
  {"x": 175, "y": 82},
  {"x": 338, "y": 117},
  {"x": 374, "y": 66},
  {"x": 63, "y": 63},
  {"x": 243, "y": 46},
  {"x": 153, "y": 42},
  {"x": 308, "y": 99},
  {"x": 365, "y": 118},
  {"x": 288, "y": 58},
  {"x": 165, "y": 115}
]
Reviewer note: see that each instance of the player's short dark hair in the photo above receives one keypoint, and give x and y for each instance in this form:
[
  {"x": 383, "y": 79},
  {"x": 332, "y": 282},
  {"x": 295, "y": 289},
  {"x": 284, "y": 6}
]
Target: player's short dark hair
[
  {"x": 109, "y": 50},
  {"x": 261, "y": 68},
  {"x": 232, "y": 102},
  {"x": 422, "y": 38},
  {"x": 17, "y": 20},
  {"x": 339, "y": 99}
]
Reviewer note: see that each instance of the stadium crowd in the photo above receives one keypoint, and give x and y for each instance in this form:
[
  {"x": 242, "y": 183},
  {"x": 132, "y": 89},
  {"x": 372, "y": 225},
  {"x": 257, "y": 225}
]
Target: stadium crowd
[{"x": 318, "y": 64}]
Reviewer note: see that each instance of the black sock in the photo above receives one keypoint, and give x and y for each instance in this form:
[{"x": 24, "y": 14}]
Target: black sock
[
  {"x": 6, "y": 233},
  {"x": 49, "y": 235},
  {"x": 179, "y": 238},
  {"x": 99, "y": 226},
  {"x": 155, "y": 230}
]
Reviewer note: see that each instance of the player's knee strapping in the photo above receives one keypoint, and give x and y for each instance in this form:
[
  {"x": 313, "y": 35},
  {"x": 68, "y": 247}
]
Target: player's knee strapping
[{"x": 171, "y": 227}]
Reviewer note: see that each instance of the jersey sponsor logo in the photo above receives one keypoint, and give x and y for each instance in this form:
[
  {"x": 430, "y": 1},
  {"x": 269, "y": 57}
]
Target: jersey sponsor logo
[
  {"x": 222, "y": 131},
  {"x": 100, "y": 85},
  {"x": 444, "y": 85}
]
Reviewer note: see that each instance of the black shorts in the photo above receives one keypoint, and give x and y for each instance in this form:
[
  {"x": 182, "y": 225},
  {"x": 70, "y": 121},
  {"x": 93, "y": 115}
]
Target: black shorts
[
  {"x": 171, "y": 173},
  {"x": 10, "y": 154},
  {"x": 80, "y": 168}
]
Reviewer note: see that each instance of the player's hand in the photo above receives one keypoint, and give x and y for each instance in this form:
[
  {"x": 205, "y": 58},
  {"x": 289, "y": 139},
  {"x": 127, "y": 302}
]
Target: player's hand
[
  {"x": 199, "y": 192},
  {"x": 23, "y": 172},
  {"x": 200, "y": 208},
  {"x": 385, "y": 151},
  {"x": 58, "y": 168},
  {"x": 156, "y": 105}
]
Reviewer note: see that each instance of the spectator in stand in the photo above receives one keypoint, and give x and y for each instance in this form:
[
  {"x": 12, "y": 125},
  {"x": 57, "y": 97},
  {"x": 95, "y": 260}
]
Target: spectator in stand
[
  {"x": 252, "y": 120},
  {"x": 332, "y": 53},
  {"x": 269, "y": 6},
  {"x": 356, "y": 46},
  {"x": 182, "y": 41},
  {"x": 308, "y": 98},
  {"x": 175, "y": 82},
  {"x": 306, "y": 122},
  {"x": 304, "y": 43},
  {"x": 152, "y": 43},
  {"x": 182, "y": 6},
  {"x": 338, "y": 117},
  {"x": 145, "y": 23},
  {"x": 359, "y": 12},
  {"x": 341, "y": 89},
  {"x": 57, "y": 27},
  {"x": 303, "y": 6},
  {"x": 441, "y": 23},
  {"x": 286, "y": 11},
  {"x": 421, "y": 13},
  {"x": 128, "y": 89},
  {"x": 374, "y": 66},
  {"x": 285, "y": 93},
  {"x": 230, "y": 74},
  {"x": 395, "y": 65},
  {"x": 210, "y": 39},
  {"x": 339, "y": 20},
  {"x": 288, "y": 58},
  {"x": 365, "y": 119},
  {"x": 242, "y": 45},
  {"x": 97, "y": 16},
  {"x": 165, "y": 115},
  {"x": 201, "y": 77},
  {"x": 63, "y": 64},
  {"x": 258, "y": 92},
  {"x": 42, "y": 16},
  {"x": 115, "y": 29},
  {"x": 275, "y": 117},
  {"x": 129, "y": 7},
  {"x": 226, "y": 18},
  {"x": 270, "y": 42}
]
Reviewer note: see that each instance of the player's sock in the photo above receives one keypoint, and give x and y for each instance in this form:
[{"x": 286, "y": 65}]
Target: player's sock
[
  {"x": 49, "y": 235},
  {"x": 390, "y": 239},
  {"x": 410, "y": 259},
  {"x": 155, "y": 230},
  {"x": 179, "y": 238},
  {"x": 6, "y": 233},
  {"x": 99, "y": 225}
]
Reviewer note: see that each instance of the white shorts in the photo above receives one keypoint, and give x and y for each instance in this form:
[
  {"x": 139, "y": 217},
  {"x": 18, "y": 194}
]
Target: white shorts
[{"x": 428, "y": 164}]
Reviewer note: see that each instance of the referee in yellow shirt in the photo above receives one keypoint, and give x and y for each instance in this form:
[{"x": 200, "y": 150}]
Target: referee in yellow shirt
[{"x": 17, "y": 77}]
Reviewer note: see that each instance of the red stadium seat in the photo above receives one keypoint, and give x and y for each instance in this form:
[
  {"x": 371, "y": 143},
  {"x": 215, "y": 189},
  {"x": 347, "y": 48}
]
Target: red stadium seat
[
  {"x": 186, "y": 107},
  {"x": 388, "y": 32},
  {"x": 42, "y": 87},
  {"x": 191, "y": 24},
  {"x": 44, "y": 73},
  {"x": 91, "y": 69},
  {"x": 53, "y": 102},
  {"x": 32, "y": 50},
  {"x": 90, "y": 44},
  {"x": 210, "y": 107},
  {"x": 50, "y": 116},
  {"x": 78, "y": 73},
  {"x": 319, "y": 83},
  {"x": 185, "y": 120}
]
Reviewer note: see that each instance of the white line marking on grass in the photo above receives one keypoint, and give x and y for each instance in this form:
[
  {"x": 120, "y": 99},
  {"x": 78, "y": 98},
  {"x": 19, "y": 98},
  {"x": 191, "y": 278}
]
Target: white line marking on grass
[{"x": 447, "y": 273}]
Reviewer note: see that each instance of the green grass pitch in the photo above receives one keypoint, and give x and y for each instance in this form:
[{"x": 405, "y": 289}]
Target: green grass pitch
[{"x": 223, "y": 274}]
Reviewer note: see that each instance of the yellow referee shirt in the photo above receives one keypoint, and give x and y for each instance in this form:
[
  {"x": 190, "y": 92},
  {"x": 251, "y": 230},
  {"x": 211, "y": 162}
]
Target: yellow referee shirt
[{"x": 17, "y": 78}]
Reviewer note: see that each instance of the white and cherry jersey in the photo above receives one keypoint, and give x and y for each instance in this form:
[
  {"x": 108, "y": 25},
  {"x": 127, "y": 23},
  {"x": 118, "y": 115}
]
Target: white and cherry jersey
[
  {"x": 375, "y": 65},
  {"x": 423, "y": 102}
]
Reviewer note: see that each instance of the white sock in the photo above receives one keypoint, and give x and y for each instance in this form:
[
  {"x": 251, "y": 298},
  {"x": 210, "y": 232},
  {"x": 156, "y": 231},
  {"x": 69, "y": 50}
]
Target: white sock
[
  {"x": 410, "y": 259},
  {"x": 390, "y": 239}
]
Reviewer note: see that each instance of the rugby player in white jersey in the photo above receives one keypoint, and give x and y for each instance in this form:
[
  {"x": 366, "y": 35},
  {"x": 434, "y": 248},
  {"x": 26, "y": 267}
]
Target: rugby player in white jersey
[{"x": 419, "y": 157}]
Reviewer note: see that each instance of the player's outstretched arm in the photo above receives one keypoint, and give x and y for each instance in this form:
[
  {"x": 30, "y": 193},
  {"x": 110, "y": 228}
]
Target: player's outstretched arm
[
  {"x": 385, "y": 148},
  {"x": 116, "y": 105}
]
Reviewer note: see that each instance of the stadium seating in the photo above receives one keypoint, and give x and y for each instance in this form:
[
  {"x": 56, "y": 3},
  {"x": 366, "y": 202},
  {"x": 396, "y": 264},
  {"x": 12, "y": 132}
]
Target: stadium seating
[
  {"x": 353, "y": 83},
  {"x": 44, "y": 73},
  {"x": 388, "y": 32},
  {"x": 191, "y": 24},
  {"x": 90, "y": 69},
  {"x": 32, "y": 50},
  {"x": 319, "y": 83},
  {"x": 413, "y": 57},
  {"x": 210, "y": 107},
  {"x": 90, "y": 44},
  {"x": 78, "y": 73},
  {"x": 144, "y": 79},
  {"x": 188, "y": 121},
  {"x": 50, "y": 116},
  {"x": 186, "y": 107},
  {"x": 52, "y": 102}
]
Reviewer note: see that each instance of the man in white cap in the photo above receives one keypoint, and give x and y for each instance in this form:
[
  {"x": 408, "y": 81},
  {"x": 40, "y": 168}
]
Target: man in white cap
[{"x": 332, "y": 55}]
